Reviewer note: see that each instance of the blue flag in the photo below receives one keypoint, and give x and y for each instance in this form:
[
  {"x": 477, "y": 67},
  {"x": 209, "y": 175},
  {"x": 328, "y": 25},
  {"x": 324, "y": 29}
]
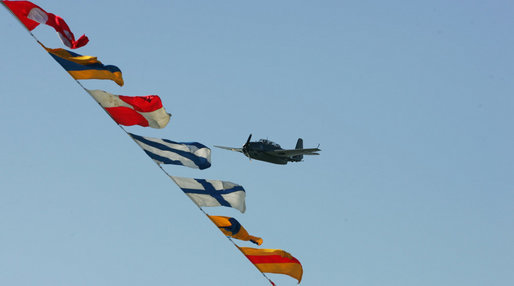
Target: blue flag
[
  {"x": 213, "y": 193},
  {"x": 163, "y": 151}
]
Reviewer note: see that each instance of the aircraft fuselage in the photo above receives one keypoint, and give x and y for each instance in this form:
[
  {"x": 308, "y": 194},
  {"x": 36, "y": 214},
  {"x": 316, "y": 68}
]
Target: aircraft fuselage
[{"x": 257, "y": 151}]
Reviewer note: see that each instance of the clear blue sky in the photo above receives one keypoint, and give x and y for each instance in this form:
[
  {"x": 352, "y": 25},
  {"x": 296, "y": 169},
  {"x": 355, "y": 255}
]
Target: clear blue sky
[{"x": 411, "y": 102}]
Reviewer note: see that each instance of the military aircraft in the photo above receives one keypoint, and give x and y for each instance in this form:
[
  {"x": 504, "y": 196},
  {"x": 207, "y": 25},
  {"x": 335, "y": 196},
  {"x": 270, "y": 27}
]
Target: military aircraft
[{"x": 265, "y": 150}]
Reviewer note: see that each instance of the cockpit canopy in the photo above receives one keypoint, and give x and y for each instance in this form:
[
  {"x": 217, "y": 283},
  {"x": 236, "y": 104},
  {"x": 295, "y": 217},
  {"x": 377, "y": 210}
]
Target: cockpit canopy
[{"x": 266, "y": 141}]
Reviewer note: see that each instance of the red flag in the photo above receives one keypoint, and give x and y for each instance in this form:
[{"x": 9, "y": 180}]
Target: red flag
[
  {"x": 32, "y": 15},
  {"x": 133, "y": 110}
]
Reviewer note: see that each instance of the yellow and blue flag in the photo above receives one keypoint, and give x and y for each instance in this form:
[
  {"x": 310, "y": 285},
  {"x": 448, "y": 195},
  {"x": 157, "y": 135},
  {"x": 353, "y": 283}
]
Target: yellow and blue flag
[
  {"x": 85, "y": 67},
  {"x": 231, "y": 227}
]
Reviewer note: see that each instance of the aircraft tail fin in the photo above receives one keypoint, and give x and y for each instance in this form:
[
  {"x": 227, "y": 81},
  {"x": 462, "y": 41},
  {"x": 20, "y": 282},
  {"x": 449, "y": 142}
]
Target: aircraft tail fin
[{"x": 299, "y": 145}]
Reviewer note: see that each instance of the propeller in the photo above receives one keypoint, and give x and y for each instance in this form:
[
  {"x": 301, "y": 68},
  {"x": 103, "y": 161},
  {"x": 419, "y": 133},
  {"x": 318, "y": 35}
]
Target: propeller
[{"x": 245, "y": 147}]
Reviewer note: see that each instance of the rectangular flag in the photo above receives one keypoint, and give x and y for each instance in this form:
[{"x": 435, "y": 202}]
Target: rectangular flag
[
  {"x": 231, "y": 227},
  {"x": 274, "y": 261},
  {"x": 164, "y": 151},
  {"x": 31, "y": 15},
  {"x": 85, "y": 67},
  {"x": 133, "y": 110},
  {"x": 213, "y": 193}
]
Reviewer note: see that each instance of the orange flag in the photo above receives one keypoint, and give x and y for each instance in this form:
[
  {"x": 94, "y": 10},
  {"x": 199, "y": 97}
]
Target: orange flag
[
  {"x": 274, "y": 261},
  {"x": 231, "y": 227}
]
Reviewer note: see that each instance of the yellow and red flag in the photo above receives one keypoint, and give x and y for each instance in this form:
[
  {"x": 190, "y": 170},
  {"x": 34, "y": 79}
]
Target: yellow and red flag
[{"x": 274, "y": 261}]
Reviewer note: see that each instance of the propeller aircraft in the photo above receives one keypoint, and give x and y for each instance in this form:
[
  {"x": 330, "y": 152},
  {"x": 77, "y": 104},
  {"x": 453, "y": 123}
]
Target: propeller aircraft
[{"x": 268, "y": 151}]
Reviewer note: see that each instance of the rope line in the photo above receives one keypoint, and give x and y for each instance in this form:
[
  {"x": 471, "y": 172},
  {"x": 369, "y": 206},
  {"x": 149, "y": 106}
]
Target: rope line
[{"x": 128, "y": 134}]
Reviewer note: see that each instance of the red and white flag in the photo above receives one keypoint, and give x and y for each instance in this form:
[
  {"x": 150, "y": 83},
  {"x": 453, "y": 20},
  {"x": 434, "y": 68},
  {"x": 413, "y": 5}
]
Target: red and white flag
[
  {"x": 32, "y": 15},
  {"x": 133, "y": 110}
]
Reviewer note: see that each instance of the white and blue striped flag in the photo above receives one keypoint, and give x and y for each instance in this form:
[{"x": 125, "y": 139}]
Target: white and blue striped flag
[
  {"x": 213, "y": 193},
  {"x": 163, "y": 151}
]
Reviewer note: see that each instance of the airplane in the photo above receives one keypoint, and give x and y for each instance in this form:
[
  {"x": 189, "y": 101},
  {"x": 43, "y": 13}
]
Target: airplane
[{"x": 267, "y": 151}]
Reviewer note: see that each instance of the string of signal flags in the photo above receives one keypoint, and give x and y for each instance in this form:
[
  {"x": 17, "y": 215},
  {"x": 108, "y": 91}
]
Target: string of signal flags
[{"x": 148, "y": 111}]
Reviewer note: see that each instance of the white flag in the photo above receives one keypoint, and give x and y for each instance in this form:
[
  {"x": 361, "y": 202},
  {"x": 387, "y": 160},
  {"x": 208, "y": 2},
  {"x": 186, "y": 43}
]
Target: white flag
[
  {"x": 133, "y": 110},
  {"x": 164, "y": 151},
  {"x": 213, "y": 193}
]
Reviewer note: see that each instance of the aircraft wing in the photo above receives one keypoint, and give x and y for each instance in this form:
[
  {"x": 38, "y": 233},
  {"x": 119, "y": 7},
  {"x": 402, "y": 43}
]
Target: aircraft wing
[
  {"x": 230, "y": 148},
  {"x": 294, "y": 152}
]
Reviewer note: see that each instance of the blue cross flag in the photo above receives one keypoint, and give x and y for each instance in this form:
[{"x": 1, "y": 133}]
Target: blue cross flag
[{"x": 213, "y": 193}]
